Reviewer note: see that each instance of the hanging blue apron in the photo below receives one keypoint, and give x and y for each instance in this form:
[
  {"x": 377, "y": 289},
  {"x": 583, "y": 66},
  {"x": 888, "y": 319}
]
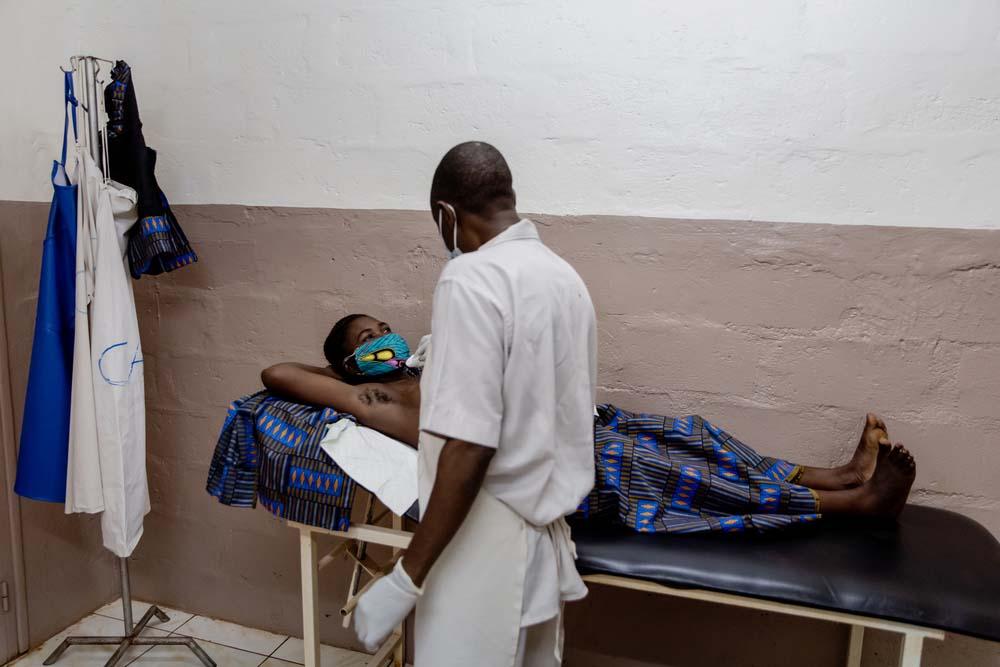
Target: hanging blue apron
[{"x": 41, "y": 462}]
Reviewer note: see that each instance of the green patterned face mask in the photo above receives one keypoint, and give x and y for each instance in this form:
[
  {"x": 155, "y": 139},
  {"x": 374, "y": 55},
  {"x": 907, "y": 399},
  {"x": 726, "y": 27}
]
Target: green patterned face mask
[{"x": 381, "y": 355}]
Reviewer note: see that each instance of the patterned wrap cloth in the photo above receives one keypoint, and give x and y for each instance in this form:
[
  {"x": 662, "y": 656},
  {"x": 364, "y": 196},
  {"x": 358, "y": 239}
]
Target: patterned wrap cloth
[
  {"x": 654, "y": 473},
  {"x": 684, "y": 475},
  {"x": 269, "y": 450},
  {"x": 156, "y": 243}
]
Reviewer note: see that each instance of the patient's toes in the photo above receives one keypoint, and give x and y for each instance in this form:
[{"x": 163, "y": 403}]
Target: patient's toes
[
  {"x": 881, "y": 424},
  {"x": 890, "y": 486}
]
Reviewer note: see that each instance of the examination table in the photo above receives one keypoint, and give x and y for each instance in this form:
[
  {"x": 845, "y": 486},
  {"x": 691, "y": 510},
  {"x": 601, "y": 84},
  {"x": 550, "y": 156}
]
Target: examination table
[{"x": 930, "y": 572}]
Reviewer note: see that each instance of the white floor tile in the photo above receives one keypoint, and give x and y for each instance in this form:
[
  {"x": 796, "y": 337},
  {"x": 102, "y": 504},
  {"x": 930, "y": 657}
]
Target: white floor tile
[
  {"x": 230, "y": 634},
  {"x": 84, "y": 656},
  {"x": 178, "y": 656},
  {"x": 274, "y": 662},
  {"x": 330, "y": 656},
  {"x": 177, "y": 618}
]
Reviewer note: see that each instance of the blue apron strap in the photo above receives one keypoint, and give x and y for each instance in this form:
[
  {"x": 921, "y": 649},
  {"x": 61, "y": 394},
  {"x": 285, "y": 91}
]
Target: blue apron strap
[{"x": 68, "y": 98}]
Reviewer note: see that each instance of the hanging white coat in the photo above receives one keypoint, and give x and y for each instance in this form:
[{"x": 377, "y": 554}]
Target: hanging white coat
[{"x": 107, "y": 448}]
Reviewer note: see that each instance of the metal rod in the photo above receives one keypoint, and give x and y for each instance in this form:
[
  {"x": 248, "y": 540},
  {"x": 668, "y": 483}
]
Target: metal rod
[
  {"x": 352, "y": 588},
  {"x": 72, "y": 58},
  {"x": 132, "y": 638},
  {"x": 362, "y": 548},
  {"x": 126, "y": 595},
  {"x": 93, "y": 110},
  {"x": 352, "y": 601}
]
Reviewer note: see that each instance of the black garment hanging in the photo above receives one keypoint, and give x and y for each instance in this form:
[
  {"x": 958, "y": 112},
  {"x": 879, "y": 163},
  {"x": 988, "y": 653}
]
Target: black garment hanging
[{"x": 156, "y": 243}]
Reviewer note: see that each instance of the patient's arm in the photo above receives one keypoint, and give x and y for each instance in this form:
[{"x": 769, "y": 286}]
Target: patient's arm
[{"x": 375, "y": 405}]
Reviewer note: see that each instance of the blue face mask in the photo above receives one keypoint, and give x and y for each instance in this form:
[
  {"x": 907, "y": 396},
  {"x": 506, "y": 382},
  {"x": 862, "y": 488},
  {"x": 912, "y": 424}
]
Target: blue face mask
[{"x": 381, "y": 355}]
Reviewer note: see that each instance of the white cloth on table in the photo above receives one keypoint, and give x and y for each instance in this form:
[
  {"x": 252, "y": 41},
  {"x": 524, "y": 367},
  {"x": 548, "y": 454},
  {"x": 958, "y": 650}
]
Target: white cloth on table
[
  {"x": 107, "y": 469},
  {"x": 384, "y": 466}
]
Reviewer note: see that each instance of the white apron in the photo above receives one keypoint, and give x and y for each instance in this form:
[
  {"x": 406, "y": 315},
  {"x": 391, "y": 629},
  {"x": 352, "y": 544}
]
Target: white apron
[
  {"x": 471, "y": 610},
  {"x": 107, "y": 449}
]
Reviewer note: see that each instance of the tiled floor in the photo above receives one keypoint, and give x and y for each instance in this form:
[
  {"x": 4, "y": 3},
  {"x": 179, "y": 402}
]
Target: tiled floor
[{"x": 230, "y": 645}]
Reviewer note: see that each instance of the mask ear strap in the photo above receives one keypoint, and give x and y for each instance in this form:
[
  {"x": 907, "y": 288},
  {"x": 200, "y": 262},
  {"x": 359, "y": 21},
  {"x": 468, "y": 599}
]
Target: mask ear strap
[{"x": 454, "y": 232}]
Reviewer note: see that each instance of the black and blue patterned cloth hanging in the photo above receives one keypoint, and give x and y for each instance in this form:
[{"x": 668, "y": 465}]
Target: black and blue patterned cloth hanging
[{"x": 156, "y": 243}]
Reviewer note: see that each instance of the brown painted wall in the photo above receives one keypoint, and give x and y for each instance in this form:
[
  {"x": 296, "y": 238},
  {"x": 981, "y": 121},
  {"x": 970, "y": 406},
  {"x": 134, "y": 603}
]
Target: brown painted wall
[{"x": 785, "y": 334}]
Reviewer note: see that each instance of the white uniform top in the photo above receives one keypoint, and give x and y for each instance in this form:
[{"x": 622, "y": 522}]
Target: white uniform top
[{"x": 513, "y": 366}]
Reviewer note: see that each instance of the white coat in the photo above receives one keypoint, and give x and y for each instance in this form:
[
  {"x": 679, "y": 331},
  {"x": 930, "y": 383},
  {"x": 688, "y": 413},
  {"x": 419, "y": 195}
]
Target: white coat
[{"x": 107, "y": 448}]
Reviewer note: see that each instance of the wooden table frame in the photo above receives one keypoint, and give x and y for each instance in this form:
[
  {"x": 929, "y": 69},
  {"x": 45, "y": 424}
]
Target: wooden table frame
[
  {"x": 353, "y": 543},
  {"x": 913, "y": 635}
]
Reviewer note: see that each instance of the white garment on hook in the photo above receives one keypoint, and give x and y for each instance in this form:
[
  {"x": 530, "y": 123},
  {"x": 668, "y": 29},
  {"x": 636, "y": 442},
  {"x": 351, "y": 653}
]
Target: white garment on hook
[
  {"x": 107, "y": 460},
  {"x": 83, "y": 473}
]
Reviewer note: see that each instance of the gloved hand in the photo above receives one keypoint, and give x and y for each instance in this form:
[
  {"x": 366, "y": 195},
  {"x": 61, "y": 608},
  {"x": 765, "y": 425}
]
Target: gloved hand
[
  {"x": 419, "y": 358},
  {"x": 384, "y": 606}
]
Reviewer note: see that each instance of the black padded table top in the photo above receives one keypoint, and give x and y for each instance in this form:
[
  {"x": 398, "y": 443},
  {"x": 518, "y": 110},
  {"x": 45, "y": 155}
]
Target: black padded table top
[{"x": 934, "y": 568}]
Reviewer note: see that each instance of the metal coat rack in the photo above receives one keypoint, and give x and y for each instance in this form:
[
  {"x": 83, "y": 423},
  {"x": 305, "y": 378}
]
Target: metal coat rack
[{"x": 87, "y": 69}]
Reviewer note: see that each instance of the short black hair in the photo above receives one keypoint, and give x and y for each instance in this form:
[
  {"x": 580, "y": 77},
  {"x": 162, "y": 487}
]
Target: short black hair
[
  {"x": 336, "y": 346},
  {"x": 473, "y": 176}
]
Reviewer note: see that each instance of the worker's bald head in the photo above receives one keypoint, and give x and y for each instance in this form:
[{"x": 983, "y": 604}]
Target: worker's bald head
[{"x": 474, "y": 178}]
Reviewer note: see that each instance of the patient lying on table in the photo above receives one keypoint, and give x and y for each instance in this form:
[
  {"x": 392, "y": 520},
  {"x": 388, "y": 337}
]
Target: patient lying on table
[{"x": 653, "y": 473}]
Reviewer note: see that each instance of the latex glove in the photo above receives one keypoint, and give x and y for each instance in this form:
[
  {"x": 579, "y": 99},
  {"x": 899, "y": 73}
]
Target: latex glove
[
  {"x": 419, "y": 358},
  {"x": 384, "y": 606}
]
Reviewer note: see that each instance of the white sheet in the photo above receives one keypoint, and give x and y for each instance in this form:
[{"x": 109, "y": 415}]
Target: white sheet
[{"x": 384, "y": 466}]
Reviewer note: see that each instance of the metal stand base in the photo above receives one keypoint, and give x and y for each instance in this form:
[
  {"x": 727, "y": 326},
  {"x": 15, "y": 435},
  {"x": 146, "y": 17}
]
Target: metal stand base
[{"x": 131, "y": 637}]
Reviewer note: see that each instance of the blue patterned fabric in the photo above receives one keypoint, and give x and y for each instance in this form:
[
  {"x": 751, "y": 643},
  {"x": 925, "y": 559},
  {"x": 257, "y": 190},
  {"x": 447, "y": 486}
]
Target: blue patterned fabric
[
  {"x": 156, "y": 243},
  {"x": 684, "y": 475},
  {"x": 269, "y": 451}
]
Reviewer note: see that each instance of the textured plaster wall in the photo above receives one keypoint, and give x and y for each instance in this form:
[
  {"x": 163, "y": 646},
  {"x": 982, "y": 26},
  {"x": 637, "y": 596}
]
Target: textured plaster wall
[
  {"x": 784, "y": 334},
  {"x": 840, "y": 111}
]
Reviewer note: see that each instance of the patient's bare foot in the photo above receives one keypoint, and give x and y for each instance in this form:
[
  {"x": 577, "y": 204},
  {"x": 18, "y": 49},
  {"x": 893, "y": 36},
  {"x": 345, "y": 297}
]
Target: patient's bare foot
[
  {"x": 874, "y": 437},
  {"x": 886, "y": 492}
]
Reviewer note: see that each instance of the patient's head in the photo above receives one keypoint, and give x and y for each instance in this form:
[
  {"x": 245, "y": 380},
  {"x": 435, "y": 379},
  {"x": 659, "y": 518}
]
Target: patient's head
[{"x": 350, "y": 333}]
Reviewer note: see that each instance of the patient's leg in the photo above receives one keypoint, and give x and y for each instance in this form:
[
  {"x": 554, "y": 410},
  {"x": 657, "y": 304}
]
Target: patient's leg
[
  {"x": 859, "y": 469},
  {"x": 883, "y": 495}
]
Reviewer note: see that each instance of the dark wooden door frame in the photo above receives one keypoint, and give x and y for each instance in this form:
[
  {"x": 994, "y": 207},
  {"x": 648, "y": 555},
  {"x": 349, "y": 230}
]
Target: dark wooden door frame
[{"x": 14, "y": 623}]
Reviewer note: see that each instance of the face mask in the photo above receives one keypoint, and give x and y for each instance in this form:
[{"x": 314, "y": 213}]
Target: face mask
[
  {"x": 455, "y": 250},
  {"x": 381, "y": 355}
]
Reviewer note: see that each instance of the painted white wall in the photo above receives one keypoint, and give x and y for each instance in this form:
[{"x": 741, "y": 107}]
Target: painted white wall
[{"x": 821, "y": 111}]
